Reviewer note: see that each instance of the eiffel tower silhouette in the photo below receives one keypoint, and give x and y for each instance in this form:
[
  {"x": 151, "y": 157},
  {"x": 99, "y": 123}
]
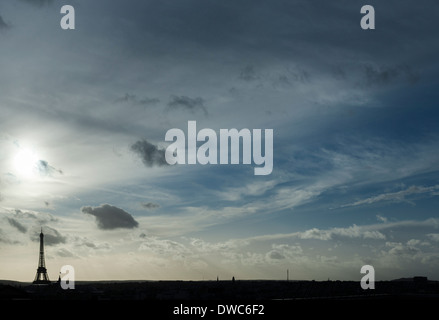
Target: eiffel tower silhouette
[{"x": 41, "y": 277}]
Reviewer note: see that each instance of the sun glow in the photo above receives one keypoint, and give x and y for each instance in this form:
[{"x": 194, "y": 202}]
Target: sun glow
[{"x": 25, "y": 163}]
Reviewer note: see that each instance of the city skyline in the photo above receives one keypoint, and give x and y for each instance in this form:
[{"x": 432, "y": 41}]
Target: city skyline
[{"x": 84, "y": 114}]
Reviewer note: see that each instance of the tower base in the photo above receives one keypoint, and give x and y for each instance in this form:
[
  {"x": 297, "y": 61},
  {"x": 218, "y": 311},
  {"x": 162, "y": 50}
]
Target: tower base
[
  {"x": 41, "y": 277},
  {"x": 41, "y": 282}
]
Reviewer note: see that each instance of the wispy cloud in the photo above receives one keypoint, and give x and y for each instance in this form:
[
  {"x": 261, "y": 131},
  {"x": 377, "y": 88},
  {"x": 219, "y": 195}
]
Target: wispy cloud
[
  {"x": 150, "y": 205},
  {"x": 186, "y": 103},
  {"x": 131, "y": 98},
  {"x": 373, "y": 231},
  {"x": 399, "y": 196},
  {"x": 251, "y": 189},
  {"x": 378, "y": 76},
  {"x": 354, "y": 231}
]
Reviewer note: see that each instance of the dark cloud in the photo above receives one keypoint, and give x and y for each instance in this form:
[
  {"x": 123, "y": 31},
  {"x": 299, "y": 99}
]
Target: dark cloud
[
  {"x": 291, "y": 77},
  {"x": 109, "y": 217},
  {"x": 282, "y": 80},
  {"x": 13, "y": 222},
  {"x": 3, "y": 24},
  {"x": 51, "y": 236},
  {"x": 185, "y": 103},
  {"x": 45, "y": 169},
  {"x": 150, "y": 205},
  {"x": 385, "y": 75},
  {"x": 149, "y": 153},
  {"x": 248, "y": 74},
  {"x": 285, "y": 78},
  {"x": 299, "y": 75},
  {"x": 130, "y": 98}
]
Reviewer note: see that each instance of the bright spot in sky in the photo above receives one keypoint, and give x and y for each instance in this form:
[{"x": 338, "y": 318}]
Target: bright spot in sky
[{"x": 25, "y": 163}]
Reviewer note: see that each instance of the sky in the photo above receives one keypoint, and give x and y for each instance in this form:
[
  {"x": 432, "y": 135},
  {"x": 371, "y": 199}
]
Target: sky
[{"x": 354, "y": 114}]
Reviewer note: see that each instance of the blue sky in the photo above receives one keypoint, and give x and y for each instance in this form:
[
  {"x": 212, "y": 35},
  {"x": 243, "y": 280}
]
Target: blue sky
[{"x": 354, "y": 115}]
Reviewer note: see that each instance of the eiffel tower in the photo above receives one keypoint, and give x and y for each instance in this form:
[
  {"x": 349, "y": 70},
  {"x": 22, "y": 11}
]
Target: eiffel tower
[{"x": 41, "y": 277}]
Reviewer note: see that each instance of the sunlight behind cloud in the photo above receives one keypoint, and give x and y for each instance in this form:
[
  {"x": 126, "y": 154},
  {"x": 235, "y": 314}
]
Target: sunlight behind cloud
[{"x": 25, "y": 163}]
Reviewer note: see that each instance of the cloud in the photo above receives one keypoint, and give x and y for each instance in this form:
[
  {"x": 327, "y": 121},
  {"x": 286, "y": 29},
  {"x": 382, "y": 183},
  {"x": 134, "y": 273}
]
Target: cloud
[
  {"x": 51, "y": 236},
  {"x": 387, "y": 75},
  {"x": 109, "y": 217},
  {"x": 264, "y": 43},
  {"x": 5, "y": 239},
  {"x": 150, "y": 205},
  {"x": 399, "y": 196},
  {"x": 3, "y": 24},
  {"x": 251, "y": 189},
  {"x": 149, "y": 153},
  {"x": 62, "y": 252},
  {"x": 165, "y": 252},
  {"x": 164, "y": 246},
  {"x": 82, "y": 243},
  {"x": 45, "y": 169},
  {"x": 354, "y": 231},
  {"x": 334, "y": 233},
  {"x": 284, "y": 251},
  {"x": 41, "y": 218},
  {"x": 191, "y": 104},
  {"x": 276, "y": 77},
  {"x": 130, "y": 98},
  {"x": 433, "y": 236},
  {"x": 275, "y": 255},
  {"x": 400, "y": 249},
  {"x": 13, "y": 222},
  {"x": 226, "y": 246},
  {"x": 248, "y": 74}
]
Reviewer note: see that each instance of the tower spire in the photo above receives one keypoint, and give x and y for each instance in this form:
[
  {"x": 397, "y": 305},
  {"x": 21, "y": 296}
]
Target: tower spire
[{"x": 41, "y": 277}]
